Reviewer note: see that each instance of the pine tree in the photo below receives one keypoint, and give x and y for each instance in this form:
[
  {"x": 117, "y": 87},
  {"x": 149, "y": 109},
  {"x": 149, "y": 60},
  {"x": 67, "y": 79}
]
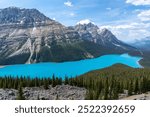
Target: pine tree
[
  {"x": 53, "y": 81},
  {"x": 38, "y": 98},
  {"x": 66, "y": 80},
  {"x": 136, "y": 88},
  {"x": 46, "y": 84},
  {"x": 130, "y": 90},
  {"x": 106, "y": 90},
  {"x": 57, "y": 97},
  {"x": 20, "y": 93}
]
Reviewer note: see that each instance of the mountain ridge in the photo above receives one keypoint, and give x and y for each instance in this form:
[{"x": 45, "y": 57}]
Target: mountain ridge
[
  {"x": 28, "y": 36},
  {"x": 143, "y": 43}
]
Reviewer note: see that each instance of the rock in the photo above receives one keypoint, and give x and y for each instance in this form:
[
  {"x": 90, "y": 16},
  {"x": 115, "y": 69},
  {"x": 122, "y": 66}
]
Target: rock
[
  {"x": 25, "y": 33},
  {"x": 101, "y": 36},
  {"x": 8, "y": 94},
  {"x": 11, "y": 93},
  {"x": 145, "y": 96},
  {"x": 60, "y": 92}
]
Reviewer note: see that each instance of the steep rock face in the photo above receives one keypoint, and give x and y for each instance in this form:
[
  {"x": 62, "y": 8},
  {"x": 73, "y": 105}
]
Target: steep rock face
[
  {"x": 28, "y": 36},
  {"x": 21, "y": 16},
  {"x": 102, "y": 37},
  {"x": 88, "y": 31}
]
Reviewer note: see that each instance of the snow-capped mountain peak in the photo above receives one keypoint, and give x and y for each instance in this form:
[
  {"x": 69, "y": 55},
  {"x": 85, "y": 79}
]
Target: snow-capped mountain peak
[
  {"x": 85, "y": 22},
  {"x": 102, "y": 30}
]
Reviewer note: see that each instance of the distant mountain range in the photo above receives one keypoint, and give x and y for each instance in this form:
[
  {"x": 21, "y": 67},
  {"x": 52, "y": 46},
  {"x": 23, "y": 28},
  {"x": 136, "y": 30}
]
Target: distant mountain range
[
  {"x": 28, "y": 36},
  {"x": 143, "y": 44}
]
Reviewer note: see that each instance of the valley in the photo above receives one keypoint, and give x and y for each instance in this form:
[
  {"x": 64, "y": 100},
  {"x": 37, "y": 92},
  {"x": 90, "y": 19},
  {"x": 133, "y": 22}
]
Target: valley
[{"x": 40, "y": 58}]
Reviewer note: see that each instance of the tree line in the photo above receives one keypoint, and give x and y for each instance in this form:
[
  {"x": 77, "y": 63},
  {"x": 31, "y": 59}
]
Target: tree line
[{"x": 15, "y": 82}]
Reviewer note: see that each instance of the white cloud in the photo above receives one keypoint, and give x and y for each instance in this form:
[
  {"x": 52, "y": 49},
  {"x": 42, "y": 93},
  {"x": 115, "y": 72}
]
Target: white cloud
[
  {"x": 54, "y": 18},
  {"x": 125, "y": 26},
  {"x": 138, "y": 2},
  {"x": 72, "y": 14},
  {"x": 85, "y": 21},
  {"x": 108, "y": 8},
  {"x": 67, "y": 13},
  {"x": 144, "y": 15},
  {"x": 129, "y": 31},
  {"x": 68, "y": 4}
]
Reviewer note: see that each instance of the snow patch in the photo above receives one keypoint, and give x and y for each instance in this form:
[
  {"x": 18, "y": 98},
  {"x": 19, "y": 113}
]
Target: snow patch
[
  {"x": 116, "y": 45},
  {"x": 34, "y": 29},
  {"x": 88, "y": 55},
  {"x": 47, "y": 45},
  {"x": 120, "y": 46},
  {"x": 22, "y": 22},
  {"x": 102, "y": 30},
  {"x": 85, "y": 21}
]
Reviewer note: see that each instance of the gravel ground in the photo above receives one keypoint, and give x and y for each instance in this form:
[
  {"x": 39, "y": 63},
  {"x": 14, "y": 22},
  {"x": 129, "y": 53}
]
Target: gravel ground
[
  {"x": 60, "y": 92},
  {"x": 145, "y": 96}
]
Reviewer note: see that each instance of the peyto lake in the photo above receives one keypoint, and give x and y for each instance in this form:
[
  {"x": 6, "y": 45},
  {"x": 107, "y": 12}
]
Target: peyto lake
[{"x": 74, "y": 68}]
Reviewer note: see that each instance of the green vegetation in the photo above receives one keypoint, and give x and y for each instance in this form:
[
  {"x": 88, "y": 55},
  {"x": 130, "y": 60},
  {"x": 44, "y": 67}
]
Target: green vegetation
[
  {"x": 14, "y": 59},
  {"x": 20, "y": 93},
  {"x": 146, "y": 59},
  {"x": 108, "y": 83},
  {"x": 68, "y": 52},
  {"x": 103, "y": 84},
  {"x": 18, "y": 83}
]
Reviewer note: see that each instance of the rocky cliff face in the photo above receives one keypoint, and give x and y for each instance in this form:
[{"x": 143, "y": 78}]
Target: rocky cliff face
[
  {"x": 102, "y": 37},
  {"x": 28, "y": 36}
]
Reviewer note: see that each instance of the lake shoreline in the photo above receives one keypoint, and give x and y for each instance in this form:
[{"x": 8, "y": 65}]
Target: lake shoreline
[
  {"x": 2, "y": 66},
  {"x": 138, "y": 62}
]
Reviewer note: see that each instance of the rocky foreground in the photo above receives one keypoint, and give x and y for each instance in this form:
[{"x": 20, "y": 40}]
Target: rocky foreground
[
  {"x": 144, "y": 96},
  {"x": 60, "y": 92}
]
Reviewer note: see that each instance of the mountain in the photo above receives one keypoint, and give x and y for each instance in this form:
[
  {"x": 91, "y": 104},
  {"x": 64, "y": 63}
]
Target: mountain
[
  {"x": 28, "y": 36},
  {"x": 143, "y": 44},
  {"x": 103, "y": 37}
]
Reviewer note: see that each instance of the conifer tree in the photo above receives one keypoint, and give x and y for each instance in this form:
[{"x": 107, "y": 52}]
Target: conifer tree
[{"x": 20, "y": 93}]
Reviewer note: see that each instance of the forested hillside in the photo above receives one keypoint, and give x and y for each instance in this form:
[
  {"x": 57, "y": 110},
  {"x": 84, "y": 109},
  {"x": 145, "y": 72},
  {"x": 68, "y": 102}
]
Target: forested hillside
[{"x": 108, "y": 83}]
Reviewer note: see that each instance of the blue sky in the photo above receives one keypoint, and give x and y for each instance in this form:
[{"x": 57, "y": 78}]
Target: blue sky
[{"x": 127, "y": 19}]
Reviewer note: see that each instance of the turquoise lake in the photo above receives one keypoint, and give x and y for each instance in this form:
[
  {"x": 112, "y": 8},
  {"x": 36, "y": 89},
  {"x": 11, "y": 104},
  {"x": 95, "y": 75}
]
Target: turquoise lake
[{"x": 69, "y": 69}]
